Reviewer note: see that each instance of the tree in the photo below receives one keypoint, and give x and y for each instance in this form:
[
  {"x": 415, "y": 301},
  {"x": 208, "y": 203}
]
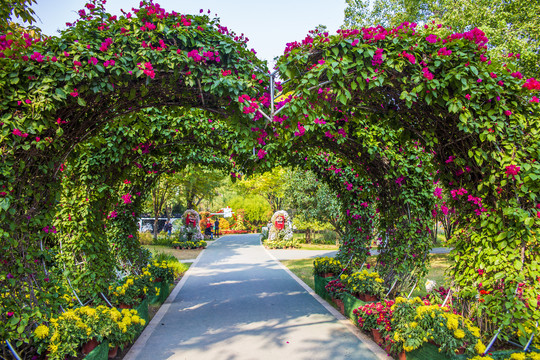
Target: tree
[
  {"x": 312, "y": 200},
  {"x": 511, "y": 26},
  {"x": 257, "y": 210},
  {"x": 198, "y": 183},
  {"x": 270, "y": 185},
  {"x": 19, "y": 8}
]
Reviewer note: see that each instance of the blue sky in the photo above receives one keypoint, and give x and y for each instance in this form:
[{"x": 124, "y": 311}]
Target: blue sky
[{"x": 268, "y": 24}]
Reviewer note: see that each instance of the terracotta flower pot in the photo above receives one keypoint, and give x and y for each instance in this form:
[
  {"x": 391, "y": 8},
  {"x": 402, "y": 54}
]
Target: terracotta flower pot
[
  {"x": 361, "y": 296},
  {"x": 327, "y": 275},
  {"x": 402, "y": 355},
  {"x": 125, "y": 306},
  {"x": 369, "y": 297},
  {"x": 376, "y": 336},
  {"x": 340, "y": 305},
  {"x": 113, "y": 351},
  {"x": 460, "y": 351},
  {"x": 89, "y": 346}
]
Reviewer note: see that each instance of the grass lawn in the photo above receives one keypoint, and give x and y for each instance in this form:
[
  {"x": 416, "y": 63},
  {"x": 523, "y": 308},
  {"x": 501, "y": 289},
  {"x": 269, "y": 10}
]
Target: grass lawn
[
  {"x": 179, "y": 254},
  {"x": 439, "y": 263},
  {"x": 317, "y": 247},
  {"x": 303, "y": 269}
]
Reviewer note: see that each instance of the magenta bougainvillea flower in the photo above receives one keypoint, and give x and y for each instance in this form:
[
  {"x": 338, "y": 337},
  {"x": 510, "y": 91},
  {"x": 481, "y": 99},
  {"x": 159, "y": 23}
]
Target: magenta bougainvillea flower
[
  {"x": 512, "y": 170},
  {"x": 431, "y": 38},
  {"x": 126, "y": 198}
]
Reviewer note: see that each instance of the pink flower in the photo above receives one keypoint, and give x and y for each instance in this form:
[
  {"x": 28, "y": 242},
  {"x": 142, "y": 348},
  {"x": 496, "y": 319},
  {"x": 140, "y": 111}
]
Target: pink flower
[
  {"x": 28, "y": 101},
  {"x": 126, "y": 198},
  {"x": 18, "y": 132},
  {"x": 512, "y": 170},
  {"x": 507, "y": 113},
  {"x": 534, "y": 99},
  {"x": 431, "y": 38},
  {"x": 479, "y": 80},
  {"x": 74, "y": 93},
  {"x": 532, "y": 84},
  {"x": 468, "y": 97},
  {"x": 93, "y": 61},
  {"x": 428, "y": 75},
  {"x": 437, "y": 192},
  {"x": 130, "y": 236},
  {"x": 261, "y": 153},
  {"x": 355, "y": 42}
]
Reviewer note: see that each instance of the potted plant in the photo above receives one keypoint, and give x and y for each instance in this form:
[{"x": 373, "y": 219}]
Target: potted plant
[
  {"x": 131, "y": 290},
  {"x": 375, "y": 317},
  {"x": 453, "y": 333},
  {"x": 326, "y": 267},
  {"x": 82, "y": 328},
  {"x": 366, "y": 285},
  {"x": 336, "y": 289},
  {"x": 124, "y": 326},
  {"x": 160, "y": 272}
]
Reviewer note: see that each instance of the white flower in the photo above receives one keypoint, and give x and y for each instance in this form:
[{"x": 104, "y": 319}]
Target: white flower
[{"x": 430, "y": 285}]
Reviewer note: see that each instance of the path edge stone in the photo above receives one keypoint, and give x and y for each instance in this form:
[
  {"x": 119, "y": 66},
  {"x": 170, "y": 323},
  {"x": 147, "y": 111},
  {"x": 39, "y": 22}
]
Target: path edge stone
[{"x": 372, "y": 346}]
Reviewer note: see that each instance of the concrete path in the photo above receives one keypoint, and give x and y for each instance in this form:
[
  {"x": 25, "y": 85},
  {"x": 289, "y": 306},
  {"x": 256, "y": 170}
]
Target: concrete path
[
  {"x": 311, "y": 254},
  {"x": 237, "y": 302}
]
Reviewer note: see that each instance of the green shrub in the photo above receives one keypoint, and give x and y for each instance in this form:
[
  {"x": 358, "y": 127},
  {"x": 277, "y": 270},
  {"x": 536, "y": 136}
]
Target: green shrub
[
  {"x": 281, "y": 244},
  {"x": 177, "y": 267},
  {"x": 146, "y": 238},
  {"x": 188, "y": 244}
]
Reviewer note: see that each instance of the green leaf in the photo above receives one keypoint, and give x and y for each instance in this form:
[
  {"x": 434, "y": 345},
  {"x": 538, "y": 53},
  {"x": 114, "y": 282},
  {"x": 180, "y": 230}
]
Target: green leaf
[{"x": 81, "y": 101}]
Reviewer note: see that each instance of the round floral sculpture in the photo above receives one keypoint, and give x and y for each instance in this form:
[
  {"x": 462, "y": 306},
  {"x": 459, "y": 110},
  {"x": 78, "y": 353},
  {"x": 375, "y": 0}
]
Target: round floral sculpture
[
  {"x": 280, "y": 227},
  {"x": 190, "y": 230}
]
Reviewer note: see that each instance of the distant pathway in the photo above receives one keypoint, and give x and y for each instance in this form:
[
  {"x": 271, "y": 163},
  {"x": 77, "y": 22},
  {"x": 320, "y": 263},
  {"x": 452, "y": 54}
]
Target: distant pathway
[
  {"x": 309, "y": 254},
  {"x": 237, "y": 302}
]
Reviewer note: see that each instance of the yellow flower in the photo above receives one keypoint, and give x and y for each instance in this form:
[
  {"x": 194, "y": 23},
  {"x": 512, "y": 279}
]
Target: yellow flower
[
  {"x": 41, "y": 332},
  {"x": 55, "y": 337},
  {"x": 479, "y": 347},
  {"x": 517, "y": 356},
  {"x": 52, "y": 348},
  {"x": 452, "y": 322},
  {"x": 459, "y": 334}
]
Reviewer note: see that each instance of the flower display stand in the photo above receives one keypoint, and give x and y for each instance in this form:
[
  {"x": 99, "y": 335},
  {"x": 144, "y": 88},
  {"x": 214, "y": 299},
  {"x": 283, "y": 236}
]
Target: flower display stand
[
  {"x": 163, "y": 292},
  {"x": 142, "y": 310},
  {"x": 101, "y": 352},
  {"x": 350, "y": 303},
  {"x": 320, "y": 284}
]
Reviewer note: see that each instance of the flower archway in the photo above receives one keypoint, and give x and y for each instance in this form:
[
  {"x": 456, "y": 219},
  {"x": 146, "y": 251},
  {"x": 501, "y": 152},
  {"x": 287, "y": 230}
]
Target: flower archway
[{"x": 390, "y": 117}]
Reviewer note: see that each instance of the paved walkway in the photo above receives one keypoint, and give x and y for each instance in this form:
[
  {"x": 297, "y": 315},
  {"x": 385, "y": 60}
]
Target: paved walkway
[{"x": 237, "y": 302}]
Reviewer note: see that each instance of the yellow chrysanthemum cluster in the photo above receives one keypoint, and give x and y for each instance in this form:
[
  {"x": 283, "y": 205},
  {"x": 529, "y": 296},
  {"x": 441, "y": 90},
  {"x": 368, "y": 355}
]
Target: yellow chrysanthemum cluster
[
  {"x": 72, "y": 328},
  {"x": 326, "y": 264},
  {"x": 42, "y": 331}
]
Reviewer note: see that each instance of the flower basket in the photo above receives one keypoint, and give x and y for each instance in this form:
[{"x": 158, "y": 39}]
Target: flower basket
[
  {"x": 89, "y": 346},
  {"x": 360, "y": 296},
  {"x": 113, "y": 351},
  {"x": 99, "y": 353},
  {"x": 369, "y": 297},
  {"x": 328, "y": 275},
  {"x": 377, "y": 336},
  {"x": 340, "y": 305}
]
